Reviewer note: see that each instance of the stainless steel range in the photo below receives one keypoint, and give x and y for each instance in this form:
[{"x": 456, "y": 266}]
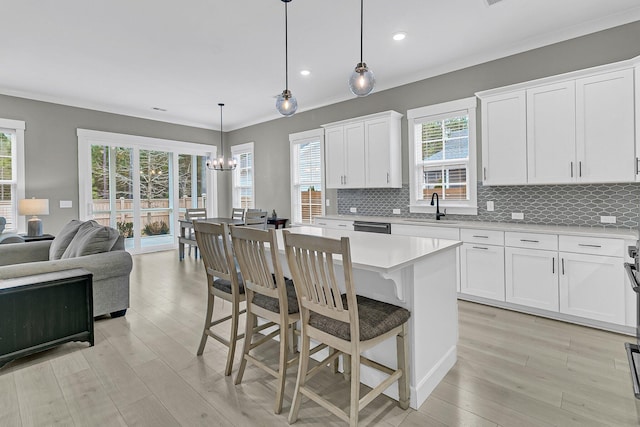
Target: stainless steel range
[{"x": 633, "y": 349}]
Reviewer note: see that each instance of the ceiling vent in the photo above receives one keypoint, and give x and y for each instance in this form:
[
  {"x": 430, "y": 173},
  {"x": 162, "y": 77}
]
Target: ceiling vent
[{"x": 492, "y": 2}]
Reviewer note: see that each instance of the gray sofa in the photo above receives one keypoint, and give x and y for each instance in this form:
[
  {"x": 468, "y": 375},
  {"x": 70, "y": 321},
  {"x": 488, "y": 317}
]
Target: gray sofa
[{"x": 88, "y": 245}]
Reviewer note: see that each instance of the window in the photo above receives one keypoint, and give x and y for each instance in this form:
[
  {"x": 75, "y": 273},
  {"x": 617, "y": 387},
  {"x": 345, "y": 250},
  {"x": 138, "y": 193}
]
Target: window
[
  {"x": 11, "y": 170},
  {"x": 243, "y": 196},
  {"x": 442, "y": 152},
  {"x": 307, "y": 177}
]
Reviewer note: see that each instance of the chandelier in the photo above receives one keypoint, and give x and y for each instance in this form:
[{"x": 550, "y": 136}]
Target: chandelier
[{"x": 219, "y": 164}]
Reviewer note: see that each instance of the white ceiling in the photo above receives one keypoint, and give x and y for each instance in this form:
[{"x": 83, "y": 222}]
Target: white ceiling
[{"x": 128, "y": 56}]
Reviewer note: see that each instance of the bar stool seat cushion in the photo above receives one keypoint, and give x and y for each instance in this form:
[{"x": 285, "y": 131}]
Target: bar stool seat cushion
[
  {"x": 376, "y": 318},
  {"x": 225, "y": 285},
  {"x": 272, "y": 304}
]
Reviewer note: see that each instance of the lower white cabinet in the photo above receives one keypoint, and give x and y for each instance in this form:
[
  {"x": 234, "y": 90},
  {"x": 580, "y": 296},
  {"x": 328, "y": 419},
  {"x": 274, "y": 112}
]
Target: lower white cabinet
[
  {"x": 482, "y": 270},
  {"x": 592, "y": 286},
  {"x": 531, "y": 278}
]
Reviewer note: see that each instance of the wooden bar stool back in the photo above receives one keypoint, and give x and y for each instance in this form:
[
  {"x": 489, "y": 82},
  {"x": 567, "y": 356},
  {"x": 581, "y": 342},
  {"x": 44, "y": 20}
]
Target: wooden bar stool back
[
  {"x": 347, "y": 322},
  {"x": 269, "y": 296},
  {"x": 222, "y": 282}
]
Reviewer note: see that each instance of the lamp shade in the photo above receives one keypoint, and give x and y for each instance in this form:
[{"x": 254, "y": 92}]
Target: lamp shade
[{"x": 33, "y": 207}]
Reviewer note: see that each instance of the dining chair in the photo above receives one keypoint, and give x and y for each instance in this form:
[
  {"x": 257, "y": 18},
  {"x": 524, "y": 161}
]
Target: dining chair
[
  {"x": 256, "y": 219},
  {"x": 270, "y": 296},
  {"x": 192, "y": 214},
  {"x": 223, "y": 282},
  {"x": 347, "y": 322},
  {"x": 237, "y": 213}
]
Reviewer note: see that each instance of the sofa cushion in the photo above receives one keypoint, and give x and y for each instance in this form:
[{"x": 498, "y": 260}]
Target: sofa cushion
[
  {"x": 62, "y": 240},
  {"x": 91, "y": 238}
]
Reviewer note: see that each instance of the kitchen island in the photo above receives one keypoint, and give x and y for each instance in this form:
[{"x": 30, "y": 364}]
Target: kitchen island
[{"x": 419, "y": 274}]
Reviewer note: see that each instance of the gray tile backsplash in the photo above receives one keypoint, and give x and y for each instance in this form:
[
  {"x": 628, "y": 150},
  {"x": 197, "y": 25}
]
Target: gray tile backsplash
[{"x": 571, "y": 205}]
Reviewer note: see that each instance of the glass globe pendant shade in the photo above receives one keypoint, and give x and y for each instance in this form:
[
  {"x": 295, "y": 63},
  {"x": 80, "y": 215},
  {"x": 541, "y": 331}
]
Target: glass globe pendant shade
[
  {"x": 362, "y": 80},
  {"x": 286, "y": 103}
]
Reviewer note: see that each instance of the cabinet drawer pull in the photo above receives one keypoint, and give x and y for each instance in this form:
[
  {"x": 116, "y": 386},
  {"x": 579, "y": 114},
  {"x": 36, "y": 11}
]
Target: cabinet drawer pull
[
  {"x": 589, "y": 246},
  {"x": 484, "y": 237},
  {"x": 480, "y": 247},
  {"x": 563, "y": 266},
  {"x": 342, "y": 225},
  {"x": 553, "y": 265},
  {"x": 530, "y": 241},
  {"x": 322, "y": 223},
  {"x": 485, "y": 173},
  {"x": 571, "y": 169},
  {"x": 636, "y": 166},
  {"x": 387, "y": 177},
  {"x": 580, "y": 168}
]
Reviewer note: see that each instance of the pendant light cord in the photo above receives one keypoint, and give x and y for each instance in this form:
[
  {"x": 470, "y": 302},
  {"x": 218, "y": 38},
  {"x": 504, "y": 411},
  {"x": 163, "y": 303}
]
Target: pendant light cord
[
  {"x": 361, "y": 24},
  {"x": 286, "y": 48},
  {"x": 221, "y": 143}
]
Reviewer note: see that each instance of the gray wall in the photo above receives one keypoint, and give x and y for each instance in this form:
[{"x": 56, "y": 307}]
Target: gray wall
[
  {"x": 272, "y": 138},
  {"x": 51, "y": 147}
]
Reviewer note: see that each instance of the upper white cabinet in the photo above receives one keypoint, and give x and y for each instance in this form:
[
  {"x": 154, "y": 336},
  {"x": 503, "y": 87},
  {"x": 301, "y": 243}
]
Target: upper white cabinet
[
  {"x": 551, "y": 133},
  {"x": 577, "y": 128},
  {"x": 605, "y": 142},
  {"x": 504, "y": 136},
  {"x": 364, "y": 152}
]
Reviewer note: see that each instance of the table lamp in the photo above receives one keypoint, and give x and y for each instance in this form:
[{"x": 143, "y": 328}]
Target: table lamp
[{"x": 34, "y": 207}]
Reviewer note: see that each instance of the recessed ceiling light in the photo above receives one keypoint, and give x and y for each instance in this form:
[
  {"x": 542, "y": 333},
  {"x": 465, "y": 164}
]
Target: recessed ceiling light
[
  {"x": 399, "y": 36},
  {"x": 159, "y": 109},
  {"x": 305, "y": 72}
]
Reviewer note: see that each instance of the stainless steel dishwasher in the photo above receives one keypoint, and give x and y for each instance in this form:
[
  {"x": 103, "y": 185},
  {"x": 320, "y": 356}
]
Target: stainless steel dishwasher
[{"x": 372, "y": 227}]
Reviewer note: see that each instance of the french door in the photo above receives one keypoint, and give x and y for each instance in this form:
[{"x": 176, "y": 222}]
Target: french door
[{"x": 140, "y": 187}]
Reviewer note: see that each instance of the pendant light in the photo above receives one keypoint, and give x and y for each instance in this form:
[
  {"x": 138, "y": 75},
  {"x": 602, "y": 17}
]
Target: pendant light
[
  {"x": 218, "y": 164},
  {"x": 362, "y": 79},
  {"x": 286, "y": 103}
]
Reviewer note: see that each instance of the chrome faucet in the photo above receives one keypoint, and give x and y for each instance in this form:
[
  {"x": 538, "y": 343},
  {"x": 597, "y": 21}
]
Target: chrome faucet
[{"x": 438, "y": 214}]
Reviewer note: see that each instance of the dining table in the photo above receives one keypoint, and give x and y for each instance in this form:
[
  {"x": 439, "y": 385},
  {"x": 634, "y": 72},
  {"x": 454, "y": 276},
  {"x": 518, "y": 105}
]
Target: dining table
[{"x": 188, "y": 237}]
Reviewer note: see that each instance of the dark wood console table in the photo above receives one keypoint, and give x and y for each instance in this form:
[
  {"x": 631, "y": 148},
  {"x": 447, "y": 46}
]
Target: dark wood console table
[{"x": 42, "y": 311}]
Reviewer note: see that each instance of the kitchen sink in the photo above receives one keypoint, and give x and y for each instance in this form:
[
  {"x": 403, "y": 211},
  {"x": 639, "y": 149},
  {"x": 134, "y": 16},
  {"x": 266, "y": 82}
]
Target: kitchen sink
[{"x": 430, "y": 221}]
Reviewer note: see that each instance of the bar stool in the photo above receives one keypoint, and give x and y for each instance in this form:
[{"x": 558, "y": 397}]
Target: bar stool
[
  {"x": 347, "y": 322},
  {"x": 269, "y": 296}
]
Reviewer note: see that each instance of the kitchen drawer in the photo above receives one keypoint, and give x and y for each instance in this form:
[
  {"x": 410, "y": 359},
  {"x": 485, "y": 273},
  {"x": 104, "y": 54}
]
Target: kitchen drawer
[
  {"x": 484, "y": 237},
  {"x": 531, "y": 240},
  {"x": 425, "y": 231},
  {"x": 337, "y": 224},
  {"x": 592, "y": 245}
]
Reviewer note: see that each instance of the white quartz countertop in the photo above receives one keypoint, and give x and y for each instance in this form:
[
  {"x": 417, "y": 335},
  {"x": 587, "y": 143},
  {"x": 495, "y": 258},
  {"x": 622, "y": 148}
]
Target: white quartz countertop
[
  {"x": 384, "y": 253},
  {"x": 501, "y": 226}
]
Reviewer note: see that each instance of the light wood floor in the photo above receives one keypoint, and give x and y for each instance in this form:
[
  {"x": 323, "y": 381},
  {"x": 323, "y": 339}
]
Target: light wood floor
[{"x": 512, "y": 370}]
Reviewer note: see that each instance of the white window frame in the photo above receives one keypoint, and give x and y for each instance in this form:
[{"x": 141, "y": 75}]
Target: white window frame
[
  {"x": 236, "y": 151},
  {"x": 16, "y": 127},
  {"x": 298, "y": 139},
  {"x": 434, "y": 112}
]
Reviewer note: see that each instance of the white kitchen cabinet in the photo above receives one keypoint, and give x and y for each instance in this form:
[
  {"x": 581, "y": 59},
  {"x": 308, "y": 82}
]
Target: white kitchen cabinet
[
  {"x": 337, "y": 224},
  {"x": 383, "y": 162},
  {"x": 578, "y": 128},
  {"x": 605, "y": 142},
  {"x": 531, "y": 278},
  {"x": 344, "y": 156},
  {"x": 504, "y": 139},
  {"x": 482, "y": 263},
  {"x": 364, "y": 152},
  {"x": 592, "y": 286},
  {"x": 551, "y": 133}
]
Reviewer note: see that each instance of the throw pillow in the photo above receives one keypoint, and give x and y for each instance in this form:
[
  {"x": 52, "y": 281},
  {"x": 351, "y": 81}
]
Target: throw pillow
[
  {"x": 91, "y": 238},
  {"x": 62, "y": 240}
]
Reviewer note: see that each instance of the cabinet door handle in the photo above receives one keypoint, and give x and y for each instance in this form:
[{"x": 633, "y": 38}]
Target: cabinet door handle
[
  {"x": 589, "y": 246},
  {"x": 553, "y": 265},
  {"x": 563, "y": 266},
  {"x": 530, "y": 241},
  {"x": 483, "y": 237},
  {"x": 387, "y": 177},
  {"x": 480, "y": 247},
  {"x": 322, "y": 223},
  {"x": 580, "y": 168},
  {"x": 342, "y": 225},
  {"x": 636, "y": 166},
  {"x": 345, "y": 180},
  {"x": 571, "y": 169},
  {"x": 485, "y": 173}
]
